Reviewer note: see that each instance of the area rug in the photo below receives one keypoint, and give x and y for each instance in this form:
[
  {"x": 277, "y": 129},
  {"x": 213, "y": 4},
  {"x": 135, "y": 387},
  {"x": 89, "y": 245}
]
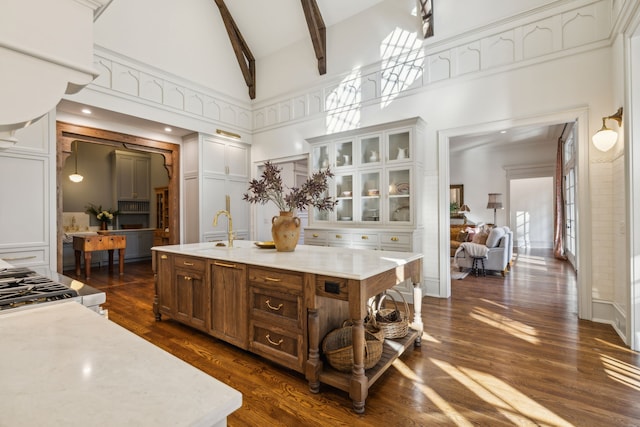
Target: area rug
[{"x": 456, "y": 274}]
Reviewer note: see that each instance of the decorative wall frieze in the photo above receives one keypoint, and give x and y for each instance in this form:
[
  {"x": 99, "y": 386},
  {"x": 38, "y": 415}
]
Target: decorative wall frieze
[
  {"x": 522, "y": 41},
  {"x": 503, "y": 46},
  {"x": 130, "y": 79}
]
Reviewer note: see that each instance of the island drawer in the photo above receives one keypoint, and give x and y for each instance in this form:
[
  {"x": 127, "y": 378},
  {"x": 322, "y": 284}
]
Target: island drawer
[
  {"x": 276, "y": 279},
  {"x": 276, "y": 307},
  {"x": 280, "y": 345},
  {"x": 189, "y": 262}
]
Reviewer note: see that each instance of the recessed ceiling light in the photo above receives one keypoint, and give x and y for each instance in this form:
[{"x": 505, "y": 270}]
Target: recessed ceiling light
[
  {"x": 86, "y": 111},
  {"x": 503, "y": 131},
  {"x": 167, "y": 129}
]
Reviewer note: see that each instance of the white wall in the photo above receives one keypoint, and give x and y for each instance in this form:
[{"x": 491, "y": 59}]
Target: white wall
[
  {"x": 531, "y": 210},
  {"x": 483, "y": 170},
  {"x": 187, "y": 39}
]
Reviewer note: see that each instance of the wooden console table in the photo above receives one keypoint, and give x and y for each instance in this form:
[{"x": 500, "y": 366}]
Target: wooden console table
[{"x": 89, "y": 244}]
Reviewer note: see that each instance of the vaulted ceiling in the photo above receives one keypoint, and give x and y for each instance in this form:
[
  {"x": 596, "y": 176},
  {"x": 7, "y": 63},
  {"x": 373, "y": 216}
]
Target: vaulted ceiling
[{"x": 271, "y": 26}]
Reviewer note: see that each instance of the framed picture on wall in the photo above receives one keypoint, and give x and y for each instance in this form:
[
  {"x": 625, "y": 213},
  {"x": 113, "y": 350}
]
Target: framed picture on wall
[{"x": 456, "y": 195}]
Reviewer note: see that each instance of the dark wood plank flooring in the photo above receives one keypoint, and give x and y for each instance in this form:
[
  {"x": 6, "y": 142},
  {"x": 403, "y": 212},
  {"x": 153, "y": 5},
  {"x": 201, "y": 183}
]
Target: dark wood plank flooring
[{"x": 500, "y": 351}]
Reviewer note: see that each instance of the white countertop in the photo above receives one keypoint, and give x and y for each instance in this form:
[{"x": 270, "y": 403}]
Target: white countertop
[
  {"x": 64, "y": 365},
  {"x": 349, "y": 263}
]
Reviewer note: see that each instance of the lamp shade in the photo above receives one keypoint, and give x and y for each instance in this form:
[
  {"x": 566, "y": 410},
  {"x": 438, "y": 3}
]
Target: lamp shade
[
  {"x": 604, "y": 139},
  {"x": 76, "y": 177},
  {"x": 495, "y": 201}
]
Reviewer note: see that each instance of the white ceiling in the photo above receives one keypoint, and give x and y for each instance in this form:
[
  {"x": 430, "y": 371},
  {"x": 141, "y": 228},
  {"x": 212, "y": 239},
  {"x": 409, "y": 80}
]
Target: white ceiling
[
  {"x": 512, "y": 136},
  {"x": 269, "y": 26}
]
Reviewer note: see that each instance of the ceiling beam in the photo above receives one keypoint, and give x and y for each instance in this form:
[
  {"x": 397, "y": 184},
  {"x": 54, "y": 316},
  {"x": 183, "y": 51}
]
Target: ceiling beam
[
  {"x": 243, "y": 54},
  {"x": 317, "y": 31}
]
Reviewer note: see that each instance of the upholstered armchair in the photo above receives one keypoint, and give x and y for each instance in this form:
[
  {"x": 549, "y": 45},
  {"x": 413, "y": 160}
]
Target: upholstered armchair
[{"x": 499, "y": 244}]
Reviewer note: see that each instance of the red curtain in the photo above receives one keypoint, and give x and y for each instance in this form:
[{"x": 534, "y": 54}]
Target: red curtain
[{"x": 558, "y": 232}]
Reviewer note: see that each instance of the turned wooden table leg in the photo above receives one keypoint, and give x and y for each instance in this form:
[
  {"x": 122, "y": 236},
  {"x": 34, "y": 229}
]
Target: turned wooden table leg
[
  {"x": 314, "y": 365},
  {"x": 110, "y": 259},
  {"x": 87, "y": 264},
  {"x": 417, "y": 313},
  {"x": 77, "y": 254},
  {"x": 121, "y": 260},
  {"x": 359, "y": 387}
]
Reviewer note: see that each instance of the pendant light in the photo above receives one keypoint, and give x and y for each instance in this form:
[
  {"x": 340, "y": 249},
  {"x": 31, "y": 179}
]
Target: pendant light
[{"x": 76, "y": 177}]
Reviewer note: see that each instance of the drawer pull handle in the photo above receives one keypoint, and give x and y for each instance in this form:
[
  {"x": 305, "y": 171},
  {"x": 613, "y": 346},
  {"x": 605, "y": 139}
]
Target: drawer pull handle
[
  {"x": 224, "y": 264},
  {"x": 365, "y": 237},
  {"x": 187, "y": 278},
  {"x": 163, "y": 257},
  {"x": 272, "y": 279},
  {"x": 315, "y": 234},
  {"x": 190, "y": 264},
  {"x": 18, "y": 258},
  {"x": 394, "y": 239},
  {"x": 268, "y": 302},
  {"x": 280, "y": 341},
  {"x": 338, "y": 236}
]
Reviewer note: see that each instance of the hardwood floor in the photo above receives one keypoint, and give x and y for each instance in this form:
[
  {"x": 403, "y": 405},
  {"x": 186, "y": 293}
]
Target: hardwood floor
[{"x": 500, "y": 351}]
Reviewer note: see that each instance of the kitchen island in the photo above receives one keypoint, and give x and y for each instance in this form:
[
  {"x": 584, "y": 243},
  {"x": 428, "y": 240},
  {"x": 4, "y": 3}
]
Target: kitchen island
[
  {"x": 281, "y": 305},
  {"x": 63, "y": 364}
]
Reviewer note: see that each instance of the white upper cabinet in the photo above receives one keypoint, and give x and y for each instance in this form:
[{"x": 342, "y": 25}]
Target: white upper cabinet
[{"x": 375, "y": 169}]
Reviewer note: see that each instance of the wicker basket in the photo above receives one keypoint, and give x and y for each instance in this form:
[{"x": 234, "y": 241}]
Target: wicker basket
[
  {"x": 392, "y": 321},
  {"x": 337, "y": 346}
]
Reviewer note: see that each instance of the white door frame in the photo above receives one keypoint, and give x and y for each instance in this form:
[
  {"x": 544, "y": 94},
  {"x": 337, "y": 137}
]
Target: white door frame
[
  {"x": 631, "y": 117},
  {"x": 583, "y": 263}
]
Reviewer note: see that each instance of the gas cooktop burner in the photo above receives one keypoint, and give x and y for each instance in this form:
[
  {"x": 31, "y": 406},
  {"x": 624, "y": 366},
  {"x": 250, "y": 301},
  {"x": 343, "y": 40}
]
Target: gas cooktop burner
[{"x": 20, "y": 286}]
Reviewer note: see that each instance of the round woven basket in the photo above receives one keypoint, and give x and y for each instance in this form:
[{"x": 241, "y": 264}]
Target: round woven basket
[
  {"x": 337, "y": 346},
  {"x": 393, "y": 322}
]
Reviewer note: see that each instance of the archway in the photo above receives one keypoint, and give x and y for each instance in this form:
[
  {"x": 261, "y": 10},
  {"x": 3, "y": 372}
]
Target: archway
[{"x": 66, "y": 133}]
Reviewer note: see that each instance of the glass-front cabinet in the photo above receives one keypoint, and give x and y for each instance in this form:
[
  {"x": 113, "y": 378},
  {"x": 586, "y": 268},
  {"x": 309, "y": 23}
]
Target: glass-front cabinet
[
  {"x": 374, "y": 170},
  {"x": 344, "y": 195},
  {"x": 399, "y": 184},
  {"x": 370, "y": 196}
]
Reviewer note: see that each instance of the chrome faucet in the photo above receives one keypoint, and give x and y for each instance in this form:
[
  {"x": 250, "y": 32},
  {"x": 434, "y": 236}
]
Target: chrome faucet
[{"x": 230, "y": 232}]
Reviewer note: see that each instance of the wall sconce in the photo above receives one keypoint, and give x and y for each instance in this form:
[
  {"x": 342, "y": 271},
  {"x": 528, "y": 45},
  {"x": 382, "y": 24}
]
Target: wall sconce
[
  {"x": 228, "y": 134},
  {"x": 495, "y": 202},
  {"x": 606, "y": 138},
  {"x": 464, "y": 208},
  {"x": 76, "y": 177}
]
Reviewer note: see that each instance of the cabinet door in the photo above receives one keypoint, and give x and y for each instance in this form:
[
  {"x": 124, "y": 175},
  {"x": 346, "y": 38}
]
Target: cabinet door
[
  {"x": 141, "y": 172},
  {"x": 344, "y": 187},
  {"x": 192, "y": 298},
  {"x": 237, "y": 160},
  {"x": 400, "y": 206},
  {"x": 398, "y": 144},
  {"x": 132, "y": 177},
  {"x": 229, "y": 303},
  {"x": 370, "y": 153},
  {"x": 344, "y": 154},
  {"x": 369, "y": 191},
  {"x": 165, "y": 303}
]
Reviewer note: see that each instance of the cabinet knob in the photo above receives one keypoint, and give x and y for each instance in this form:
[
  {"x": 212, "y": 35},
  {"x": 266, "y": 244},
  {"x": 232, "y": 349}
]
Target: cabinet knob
[
  {"x": 315, "y": 234},
  {"x": 187, "y": 278},
  {"x": 338, "y": 236},
  {"x": 163, "y": 257},
  {"x": 394, "y": 239},
  {"x": 365, "y": 237}
]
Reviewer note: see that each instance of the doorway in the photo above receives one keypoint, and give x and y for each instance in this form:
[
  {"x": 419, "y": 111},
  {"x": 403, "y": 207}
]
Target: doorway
[{"x": 67, "y": 133}]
